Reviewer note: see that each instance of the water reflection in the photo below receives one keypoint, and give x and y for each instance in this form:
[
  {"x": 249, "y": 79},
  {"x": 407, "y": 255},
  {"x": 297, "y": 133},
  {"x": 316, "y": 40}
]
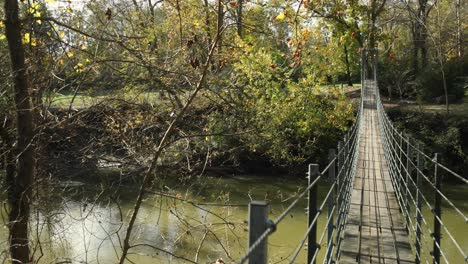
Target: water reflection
[{"x": 78, "y": 228}]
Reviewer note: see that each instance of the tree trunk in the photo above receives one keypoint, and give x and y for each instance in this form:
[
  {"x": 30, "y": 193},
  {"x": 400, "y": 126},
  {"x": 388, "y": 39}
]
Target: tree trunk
[
  {"x": 220, "y": 25},
  {"x": 416, "y": 30},
  {"x": 423, "y": 47},
  {"x": 207, "y": 23},
  {"x": 240, "y": 4},
  {"x": 21, "y": 198},
  {"x": 181, "y": 31},
  {"x": 459, "y": 30},
  {"x": 348, "y": 72}
]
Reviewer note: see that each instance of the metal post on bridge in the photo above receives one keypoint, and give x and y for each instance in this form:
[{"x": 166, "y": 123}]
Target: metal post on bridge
[
  {"x": 258, "y": 214},
  {"x": 407, "y": 182},
  {"x": 400, "y": 166},
  {"x": 363, "y": 67},
  {"x": 345, "y": 159},
  {"x": 437, "y": 211},
  {"x": 312, "y": 213},
  {"x": 419, "y": 206},
  {"x": 339, "y": 184},
  {"x": 331, "y": 203}
]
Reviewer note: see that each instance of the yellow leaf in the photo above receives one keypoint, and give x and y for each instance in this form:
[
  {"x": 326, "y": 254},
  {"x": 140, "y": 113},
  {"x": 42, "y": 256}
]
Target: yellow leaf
[
  {"x": 35, "y": 5},
  {"x": 79, "y": 67},
  {"x": 69, "y": 10},
  {"x": 2, "y": 37},
  {"x": 2, "y": 24},
  {"x": 281, "y": 16},
  {"x": 70, "y": 54},
  {"x": 61, "y": 34},
  {"x": 26, "y": 38}
]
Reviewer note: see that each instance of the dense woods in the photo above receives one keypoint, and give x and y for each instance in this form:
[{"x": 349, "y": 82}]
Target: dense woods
[{"x": 162, "y": 92}]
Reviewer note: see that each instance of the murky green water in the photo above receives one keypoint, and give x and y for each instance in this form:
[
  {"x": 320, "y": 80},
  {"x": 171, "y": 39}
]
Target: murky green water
[{"x": 85, "y": 226}]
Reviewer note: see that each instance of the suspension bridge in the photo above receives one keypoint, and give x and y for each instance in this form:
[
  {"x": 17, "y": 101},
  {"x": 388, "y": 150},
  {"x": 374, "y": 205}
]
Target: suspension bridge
[{"x": 379, "y": 183}]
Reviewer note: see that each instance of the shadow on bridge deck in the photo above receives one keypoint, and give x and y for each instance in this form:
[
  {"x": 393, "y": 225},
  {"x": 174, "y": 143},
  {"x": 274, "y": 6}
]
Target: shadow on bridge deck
[{"x": 374, "y": 230}]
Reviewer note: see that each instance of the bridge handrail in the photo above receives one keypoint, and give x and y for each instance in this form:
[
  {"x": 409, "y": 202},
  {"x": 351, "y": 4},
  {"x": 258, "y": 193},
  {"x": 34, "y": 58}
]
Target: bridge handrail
[
  {"x": 345, "y": 161},
  {"x": 271, "y": 228},
  {"x": 417, "y": 149},
  {"x": 350, "y": 142},
  {"x": 392, "y": 134},
  {"x": 426, "y": 178}
]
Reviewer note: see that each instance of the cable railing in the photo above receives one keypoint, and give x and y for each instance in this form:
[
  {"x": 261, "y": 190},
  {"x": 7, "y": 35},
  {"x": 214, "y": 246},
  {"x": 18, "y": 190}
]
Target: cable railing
[
  {"x": 411, "y": 170},
  {"x": 339, "y": 173},
  {"x": 407, "y": 161}
]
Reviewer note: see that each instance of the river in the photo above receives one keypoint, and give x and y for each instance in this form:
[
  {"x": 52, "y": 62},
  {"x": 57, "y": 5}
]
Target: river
[{"x": 85, "y": 225}]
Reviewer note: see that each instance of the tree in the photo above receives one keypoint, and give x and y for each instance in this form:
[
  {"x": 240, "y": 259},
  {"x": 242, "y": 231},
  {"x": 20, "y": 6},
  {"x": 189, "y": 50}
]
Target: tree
[
  {"x": 22, "y": 185},
  {"x": 419, "y": 14}
]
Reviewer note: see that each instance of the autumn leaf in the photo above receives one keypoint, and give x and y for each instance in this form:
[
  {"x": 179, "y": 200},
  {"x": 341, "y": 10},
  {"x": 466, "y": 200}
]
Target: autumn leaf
[
  {"x": 281, "y": 16},
  {"x": 26, "y": 38}
]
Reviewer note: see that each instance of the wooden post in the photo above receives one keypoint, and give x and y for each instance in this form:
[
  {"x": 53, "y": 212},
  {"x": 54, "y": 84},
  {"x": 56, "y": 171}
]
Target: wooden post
[
  {"x": 419, "y": 207},
  {"x": 312, "y": 213},
  {"x": 258, "y": 213},
  {"x": 331, "y": 203},
  {"x": 437, "y": 211}
]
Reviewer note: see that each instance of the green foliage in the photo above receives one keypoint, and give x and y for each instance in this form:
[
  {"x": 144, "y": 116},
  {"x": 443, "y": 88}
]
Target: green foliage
[
  {"x": 438, "y": 133},
  {"x": 291, "y": 122},
  {"x": 430, "y": 82}
]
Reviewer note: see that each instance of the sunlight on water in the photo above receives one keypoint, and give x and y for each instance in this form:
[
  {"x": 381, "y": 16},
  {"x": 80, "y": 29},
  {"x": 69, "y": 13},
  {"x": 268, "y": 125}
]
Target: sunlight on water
[{"x": 168, "y": 230}]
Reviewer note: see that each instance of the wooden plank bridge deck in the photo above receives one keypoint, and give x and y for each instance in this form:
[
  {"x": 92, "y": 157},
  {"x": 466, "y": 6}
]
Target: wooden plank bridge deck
[{"x": 374, "y": 231}]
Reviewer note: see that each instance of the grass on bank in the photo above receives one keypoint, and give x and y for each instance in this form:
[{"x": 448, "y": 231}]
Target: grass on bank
[
  {"x": 456, "y": 109},
  {"x": 87, "y": 99}
]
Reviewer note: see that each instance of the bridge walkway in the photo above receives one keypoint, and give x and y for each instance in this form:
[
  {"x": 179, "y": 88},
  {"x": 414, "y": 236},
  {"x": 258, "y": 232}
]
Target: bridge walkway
[{"x": 374, "y": 231}]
